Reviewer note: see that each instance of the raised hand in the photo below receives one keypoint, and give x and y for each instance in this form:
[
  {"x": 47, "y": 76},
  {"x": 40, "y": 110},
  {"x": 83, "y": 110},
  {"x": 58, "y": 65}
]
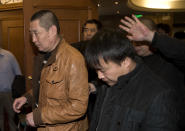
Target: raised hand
[{"x": 137, "y": 31}]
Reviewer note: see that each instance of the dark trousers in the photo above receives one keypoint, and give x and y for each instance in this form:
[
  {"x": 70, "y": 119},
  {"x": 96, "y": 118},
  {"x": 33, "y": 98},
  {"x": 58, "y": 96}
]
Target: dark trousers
[{"x": 6, "y": 102}]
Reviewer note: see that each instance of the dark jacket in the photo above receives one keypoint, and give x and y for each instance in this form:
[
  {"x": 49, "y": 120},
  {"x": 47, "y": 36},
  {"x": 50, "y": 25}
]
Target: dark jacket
[
  {"x": 171, "y": 48},
  {"x": 166, "y": 71},
  {"x": 140, "y": 101}
]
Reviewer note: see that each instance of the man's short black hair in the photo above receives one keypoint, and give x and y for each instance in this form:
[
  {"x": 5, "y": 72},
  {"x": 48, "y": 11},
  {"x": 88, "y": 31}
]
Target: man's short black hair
[
  {"x": 93, "y": 21},
  {"x": 46, "y": 19},
  {"x": 110, "y": 45},
  {"x": 179, "y": 35},
  {"x": 164, "y": 27}
]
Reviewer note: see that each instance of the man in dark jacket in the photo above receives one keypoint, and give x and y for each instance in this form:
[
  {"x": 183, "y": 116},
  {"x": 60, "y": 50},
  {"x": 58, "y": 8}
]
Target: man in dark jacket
[
  {"x": 157, "y": 63},
  {"x": 171, "y": 48},
  {"x": 136, "y": 99}
]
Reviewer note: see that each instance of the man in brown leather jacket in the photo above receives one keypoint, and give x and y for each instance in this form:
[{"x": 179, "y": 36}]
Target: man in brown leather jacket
[{"x": 60, "y": 81}]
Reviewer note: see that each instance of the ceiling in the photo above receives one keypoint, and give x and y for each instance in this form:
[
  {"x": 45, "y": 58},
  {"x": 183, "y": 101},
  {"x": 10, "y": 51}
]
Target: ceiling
[{"x": 108, "y": 7}]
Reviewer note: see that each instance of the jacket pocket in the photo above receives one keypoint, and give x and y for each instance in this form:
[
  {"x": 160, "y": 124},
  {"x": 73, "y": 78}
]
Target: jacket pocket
[
  {"x": 56, "y": 89},
  {"x": 133, "y": 119},
  {"x": 127, "y": 119},
  {"x": 55, "y": 82},
  {"x": 54, "y": 74}
]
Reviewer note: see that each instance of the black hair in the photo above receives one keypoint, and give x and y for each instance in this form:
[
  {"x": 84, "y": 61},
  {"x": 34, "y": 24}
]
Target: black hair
[
  {"x": 93, "y": 21},
  {"x": 110, "y": 45},
  {"x": 164, "y": 27},
  {"x": 180, "y": 35},
  {"x": 46, "y": 19}
]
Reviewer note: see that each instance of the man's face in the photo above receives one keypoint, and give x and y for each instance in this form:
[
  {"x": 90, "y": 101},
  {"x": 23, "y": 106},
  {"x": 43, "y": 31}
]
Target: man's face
[
  {"x": 89, "y": 31},
  {"x": 40, "y": 36},
  {"x": 109, "y": 72},
  {"x": 141, "y": 49}
]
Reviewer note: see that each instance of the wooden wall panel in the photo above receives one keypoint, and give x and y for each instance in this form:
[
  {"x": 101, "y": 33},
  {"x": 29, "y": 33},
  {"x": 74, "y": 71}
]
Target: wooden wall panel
[
  {"x": 13, "y": 39},
  {"x": 69, "y": 29},
  {"x": 62, "y": 3},
  {"x": 11, "y": 29}
]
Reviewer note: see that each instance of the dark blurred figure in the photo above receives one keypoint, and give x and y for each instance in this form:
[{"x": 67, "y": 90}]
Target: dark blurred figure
[
  {"x": 173, "y": 49},
  {"x": 164, "y": 29},
  {"x": 180, "y": 35},
  {"x": 160, "y": 66}
]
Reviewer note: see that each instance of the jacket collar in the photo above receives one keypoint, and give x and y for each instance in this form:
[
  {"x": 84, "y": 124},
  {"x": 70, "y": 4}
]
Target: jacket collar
[
  {"x": 52, "y": 58},
  {"x": 125, "y": 79}
]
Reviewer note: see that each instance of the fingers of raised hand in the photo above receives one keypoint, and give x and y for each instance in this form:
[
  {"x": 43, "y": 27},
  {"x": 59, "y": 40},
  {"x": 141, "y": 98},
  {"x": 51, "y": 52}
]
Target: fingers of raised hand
[
  {"x": 124, "y": 28},
  {"x": 131, "y": 21},
  {"x": 128, "y": 24},
  {"x": 135, "y": 18}
]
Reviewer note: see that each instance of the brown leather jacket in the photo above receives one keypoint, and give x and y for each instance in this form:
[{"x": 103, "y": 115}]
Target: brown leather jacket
[{"x": 63, "y": 95}]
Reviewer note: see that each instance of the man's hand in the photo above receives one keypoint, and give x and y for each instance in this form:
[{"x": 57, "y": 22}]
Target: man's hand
[
  {"x": 18, "y": 103},
  {"x": 92, "y": 88},
  {"x": 29, "y": 119},
  {"x": 137, "y": 31}
]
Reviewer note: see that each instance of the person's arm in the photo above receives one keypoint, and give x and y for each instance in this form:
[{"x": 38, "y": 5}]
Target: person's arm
[
  {"x": 136, "y": 30},
  {"x": 171, "y": 48},
  {"x": 77, "y": 97},
  {"x": 163, "y": 114},
  {"x": 15, "y": 65}
]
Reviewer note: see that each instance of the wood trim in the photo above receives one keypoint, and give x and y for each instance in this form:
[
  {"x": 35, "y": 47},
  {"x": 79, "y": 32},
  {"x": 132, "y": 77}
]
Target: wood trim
[
  {"x": 14, "y": 6},
  {"x": 60, "y": 3},
  {"x": 60, "y": 7}
]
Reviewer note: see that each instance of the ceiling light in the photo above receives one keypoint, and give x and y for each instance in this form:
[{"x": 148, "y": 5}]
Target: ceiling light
[
  {"x": 164, "y": 4},
  {"x": 157, "y": 5},
  {"x": 116, "y": 2}
]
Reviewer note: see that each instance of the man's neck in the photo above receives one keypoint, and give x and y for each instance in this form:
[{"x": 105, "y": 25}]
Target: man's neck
[{"x": 56, "y": 42}]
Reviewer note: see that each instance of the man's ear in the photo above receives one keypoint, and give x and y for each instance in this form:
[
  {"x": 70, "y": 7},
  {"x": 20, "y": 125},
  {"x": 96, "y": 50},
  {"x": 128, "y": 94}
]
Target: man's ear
[
  {"x": 52, "y": 30},
  {"x": 126, "y": 62}
]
